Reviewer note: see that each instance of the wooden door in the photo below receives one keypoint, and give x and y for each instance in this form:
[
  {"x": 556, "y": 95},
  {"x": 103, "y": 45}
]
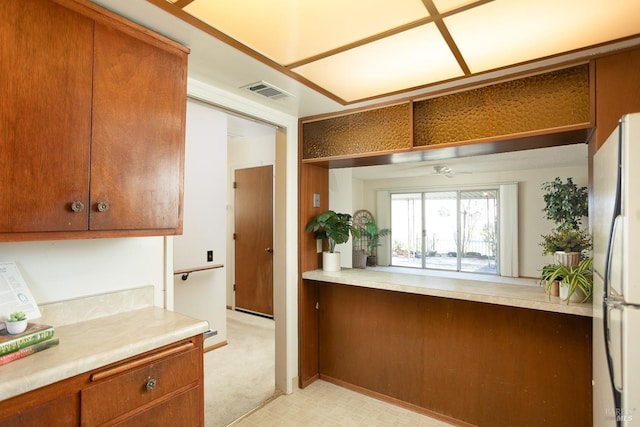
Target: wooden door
[
  {"x": 137, "y": 152},
  {"x": 253, "y": 216},
  {"x": 45, "y": 116}
]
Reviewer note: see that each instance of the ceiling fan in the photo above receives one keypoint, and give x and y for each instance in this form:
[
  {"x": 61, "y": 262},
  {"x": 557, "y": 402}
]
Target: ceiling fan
[{"x": 446, "y": 171}]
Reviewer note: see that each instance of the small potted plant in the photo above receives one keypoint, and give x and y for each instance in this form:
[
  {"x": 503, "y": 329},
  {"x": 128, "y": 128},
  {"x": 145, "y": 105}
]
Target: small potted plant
[
  {"x": 575, "y": 282},
  {"x": 550, "y": 280},
  {"x": 16, "y": 323},
  {"x": 336, "y": 228},
  {"x": 566, "y": 245}
]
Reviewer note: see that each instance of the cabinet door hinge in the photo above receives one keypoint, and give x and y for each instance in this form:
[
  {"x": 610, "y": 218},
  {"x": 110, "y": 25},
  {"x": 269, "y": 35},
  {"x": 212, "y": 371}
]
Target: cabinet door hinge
[
  {"x": 235, "y": 185},
  {"x": 234, "y": 236}
]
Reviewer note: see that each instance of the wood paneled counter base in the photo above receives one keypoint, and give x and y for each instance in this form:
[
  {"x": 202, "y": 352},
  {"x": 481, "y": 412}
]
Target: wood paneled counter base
[{"x": 467, "y": 362}]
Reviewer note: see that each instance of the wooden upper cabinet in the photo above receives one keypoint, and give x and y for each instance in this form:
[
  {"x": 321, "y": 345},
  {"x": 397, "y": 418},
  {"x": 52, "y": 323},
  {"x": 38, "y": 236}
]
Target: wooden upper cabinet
[
  {"x": 45, "y": 116},
  {"x": 92, "y": 124},
  {"x": 139, "y": 101}
]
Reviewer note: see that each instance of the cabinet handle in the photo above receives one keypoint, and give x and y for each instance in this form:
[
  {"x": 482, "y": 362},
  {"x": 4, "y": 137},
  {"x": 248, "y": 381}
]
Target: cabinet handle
[
  {"x": 77, "y": 206},
  {"x": 151, "y": 384},
  {"x": 103, "y": 206}
]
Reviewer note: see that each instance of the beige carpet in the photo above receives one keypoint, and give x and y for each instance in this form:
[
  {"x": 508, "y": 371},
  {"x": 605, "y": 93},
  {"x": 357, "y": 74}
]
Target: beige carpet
[{"x": 240, "y": 376}]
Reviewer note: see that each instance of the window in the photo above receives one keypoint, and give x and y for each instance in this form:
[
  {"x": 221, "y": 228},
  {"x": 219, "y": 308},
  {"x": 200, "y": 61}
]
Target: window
[{"x": 446, "y": 230}]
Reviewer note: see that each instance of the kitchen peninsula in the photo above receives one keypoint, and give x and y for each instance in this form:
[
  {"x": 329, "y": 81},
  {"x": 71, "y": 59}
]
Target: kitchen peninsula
[{"x": 472, "y": 352}]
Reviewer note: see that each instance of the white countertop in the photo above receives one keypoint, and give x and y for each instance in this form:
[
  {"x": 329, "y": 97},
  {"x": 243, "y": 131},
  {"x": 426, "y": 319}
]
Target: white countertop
[
  {"x": 90, "y": 344},
  {"x": 487, "y": 290}
]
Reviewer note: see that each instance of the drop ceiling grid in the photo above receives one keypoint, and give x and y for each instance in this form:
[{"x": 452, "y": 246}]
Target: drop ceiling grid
[{"x": 362, "y": 49}]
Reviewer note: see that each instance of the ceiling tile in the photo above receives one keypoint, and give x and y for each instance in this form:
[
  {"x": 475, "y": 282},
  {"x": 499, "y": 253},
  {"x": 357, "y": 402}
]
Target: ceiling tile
[
  {"x": 444, "y": 6},
  {"x": 506, "y": 32},
  {"x": 413, "y": 58},
  {"x": 288, "y": 31}
]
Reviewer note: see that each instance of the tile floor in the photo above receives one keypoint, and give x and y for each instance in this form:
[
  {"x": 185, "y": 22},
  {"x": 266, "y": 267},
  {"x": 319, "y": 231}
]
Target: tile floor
[{"x": 325, "y": 404}]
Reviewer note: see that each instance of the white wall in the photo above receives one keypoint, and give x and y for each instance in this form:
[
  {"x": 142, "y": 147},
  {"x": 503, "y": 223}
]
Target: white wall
[
  {"x": 243, "y": 153},
  {"x": 341, "y": 200},
  {"x": 286, "y": 225},
  {"x": 68, "y": 269},
  {"x": 532, "y": 223},
  {"x": 203, "y": 294}
]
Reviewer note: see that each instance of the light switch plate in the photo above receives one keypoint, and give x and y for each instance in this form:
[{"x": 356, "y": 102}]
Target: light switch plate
[{"x": 316, "y": 200}]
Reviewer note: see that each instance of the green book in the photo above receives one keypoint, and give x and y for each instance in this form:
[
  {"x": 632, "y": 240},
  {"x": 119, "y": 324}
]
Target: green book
[
  {"x": 29, "y": 350},
  {"x": 34, "y": 333}
]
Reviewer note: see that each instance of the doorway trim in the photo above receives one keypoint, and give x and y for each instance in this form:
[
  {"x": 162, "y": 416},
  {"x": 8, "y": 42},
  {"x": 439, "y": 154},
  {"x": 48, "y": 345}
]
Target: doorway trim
[{"x": 285, "y": 262}]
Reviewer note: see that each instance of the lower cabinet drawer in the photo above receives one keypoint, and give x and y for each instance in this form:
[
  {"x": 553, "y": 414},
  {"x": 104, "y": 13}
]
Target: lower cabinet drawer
[
  {"x": 139, "y": 384},
  {"x": 182, "y": 410}
]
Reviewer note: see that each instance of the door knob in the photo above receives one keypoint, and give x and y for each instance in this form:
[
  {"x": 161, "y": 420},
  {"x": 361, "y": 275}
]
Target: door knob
[{"x": 269, "y": 250}]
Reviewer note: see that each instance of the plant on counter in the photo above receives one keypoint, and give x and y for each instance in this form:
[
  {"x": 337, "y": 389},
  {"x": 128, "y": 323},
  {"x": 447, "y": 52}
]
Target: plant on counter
[
  {"x": 567, "y": 240},
  {"x": 335, "y": 227},
  {"x": 571, "y": 278},
  {"x": 17, "y": 316},
  {"x": 16, "y": 322},
  {"x": 565, "y": 203},
  {"x": 548, "y": 278}
]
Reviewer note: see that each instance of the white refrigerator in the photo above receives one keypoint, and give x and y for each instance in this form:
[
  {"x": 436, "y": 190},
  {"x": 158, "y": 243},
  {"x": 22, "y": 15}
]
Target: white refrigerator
[{"x": 616, "y": 263}]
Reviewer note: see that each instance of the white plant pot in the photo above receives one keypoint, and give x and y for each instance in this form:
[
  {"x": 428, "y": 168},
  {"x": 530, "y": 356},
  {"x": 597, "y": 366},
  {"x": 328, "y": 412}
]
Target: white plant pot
[
  {"x": 16, "y": 327},
  {"x": 570, "y": 259},
  {"x": 578, "y": 295},
  {"x": 331, "y": 261},
  {"x": 564, "y": 291}
]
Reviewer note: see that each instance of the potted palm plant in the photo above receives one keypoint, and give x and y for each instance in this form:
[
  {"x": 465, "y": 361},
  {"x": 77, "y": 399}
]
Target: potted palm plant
[
  {"x": 336, "y": 228},
  {"x": 373, "y": 233}
]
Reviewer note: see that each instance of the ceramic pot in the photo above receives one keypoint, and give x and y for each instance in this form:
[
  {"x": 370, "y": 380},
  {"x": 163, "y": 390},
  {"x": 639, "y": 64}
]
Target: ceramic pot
[
  {"x": 16, "y": 327},
  {"x": 577, "y": 296},
  {"x": 570, "y": 259},
  {"x": 331, "y": 261}
]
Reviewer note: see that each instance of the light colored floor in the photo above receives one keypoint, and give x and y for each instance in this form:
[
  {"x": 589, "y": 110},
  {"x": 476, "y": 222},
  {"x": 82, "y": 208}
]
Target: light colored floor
[
  {"x": 325, "y": 404},
  {"x": 240, "y": 376}
]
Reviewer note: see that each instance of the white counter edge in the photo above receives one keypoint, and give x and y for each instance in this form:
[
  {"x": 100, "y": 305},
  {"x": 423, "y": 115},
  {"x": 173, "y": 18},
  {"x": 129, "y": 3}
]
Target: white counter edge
[{"x": 483, "y": 291}]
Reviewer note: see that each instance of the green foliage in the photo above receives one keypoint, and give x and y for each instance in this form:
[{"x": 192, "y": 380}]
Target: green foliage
[
  {"x": 567, "y": 240},
  {"x": 565, "y": 203},
  {"x": 17, "y": 316},
  {"x": 335, "y": 227},
  {"x": 575, "y": 277},
  {"x": 373, "y": 233}
]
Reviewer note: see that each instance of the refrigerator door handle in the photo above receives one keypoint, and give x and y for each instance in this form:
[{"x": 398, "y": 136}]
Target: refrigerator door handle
[{"x": 615, "y": 228}]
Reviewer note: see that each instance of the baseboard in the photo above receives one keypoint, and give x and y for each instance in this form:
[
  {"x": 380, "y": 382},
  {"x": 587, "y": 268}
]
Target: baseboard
[
  {"x": 214, "y": 346},
  {"x": 394, "y": 401}
]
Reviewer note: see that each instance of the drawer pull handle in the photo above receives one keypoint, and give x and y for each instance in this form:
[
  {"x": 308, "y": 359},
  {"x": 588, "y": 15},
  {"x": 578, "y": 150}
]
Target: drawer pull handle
[{"x": 151, "y": 384}]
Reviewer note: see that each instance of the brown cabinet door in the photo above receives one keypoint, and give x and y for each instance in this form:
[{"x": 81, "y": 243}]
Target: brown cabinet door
[
  {"x": 137, "y": 151},
  {"x": 45, "y": 116}
]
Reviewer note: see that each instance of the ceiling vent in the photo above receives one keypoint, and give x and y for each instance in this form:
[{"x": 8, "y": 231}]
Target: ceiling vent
[{"x": 267, "y": 90}]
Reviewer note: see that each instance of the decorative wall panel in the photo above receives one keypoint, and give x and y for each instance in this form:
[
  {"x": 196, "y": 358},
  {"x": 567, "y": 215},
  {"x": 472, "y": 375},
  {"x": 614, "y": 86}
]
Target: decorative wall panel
[
  {"x": 379, "y": 130},
  {"x": 545, "y": 101}
]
